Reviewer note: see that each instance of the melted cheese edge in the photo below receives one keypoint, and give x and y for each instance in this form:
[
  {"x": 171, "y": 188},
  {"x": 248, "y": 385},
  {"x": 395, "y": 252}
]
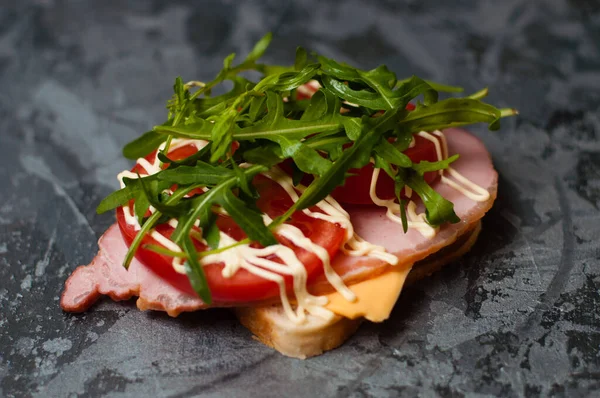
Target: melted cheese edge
[{"x": 375, "y": 297}]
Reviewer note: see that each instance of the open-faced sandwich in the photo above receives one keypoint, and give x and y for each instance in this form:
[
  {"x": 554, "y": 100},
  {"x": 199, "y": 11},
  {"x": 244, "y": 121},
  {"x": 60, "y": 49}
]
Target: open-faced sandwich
[{"x": 304, "y": 201}]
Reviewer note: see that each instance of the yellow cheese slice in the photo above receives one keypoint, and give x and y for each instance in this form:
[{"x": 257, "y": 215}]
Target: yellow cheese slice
[{"x": 375, "y": 297}]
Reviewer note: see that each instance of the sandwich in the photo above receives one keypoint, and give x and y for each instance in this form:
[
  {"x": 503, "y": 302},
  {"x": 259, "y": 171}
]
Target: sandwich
[{"x": 303, "y": 201}]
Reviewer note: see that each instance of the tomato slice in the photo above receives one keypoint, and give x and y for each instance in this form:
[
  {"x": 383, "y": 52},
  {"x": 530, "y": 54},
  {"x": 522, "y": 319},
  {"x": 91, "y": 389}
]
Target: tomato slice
[
  {"x": 356, "y": 188},
  {"x": 243, "y": 286}
]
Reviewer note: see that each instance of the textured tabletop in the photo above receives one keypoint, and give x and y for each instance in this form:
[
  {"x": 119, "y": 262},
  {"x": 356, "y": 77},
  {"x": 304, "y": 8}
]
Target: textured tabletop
[{"x": 518, "y": 316}]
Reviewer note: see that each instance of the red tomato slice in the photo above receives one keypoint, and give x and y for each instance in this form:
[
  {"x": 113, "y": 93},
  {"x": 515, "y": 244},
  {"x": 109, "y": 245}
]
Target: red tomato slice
[
  {"x": 243, "y": 286},
  {"x": 356, "y": 188}
]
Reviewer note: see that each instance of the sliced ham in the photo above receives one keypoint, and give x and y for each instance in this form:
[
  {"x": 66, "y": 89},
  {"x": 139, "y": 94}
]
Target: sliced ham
[
  {"x": 106, "y": 276},
  {"x": 371, "y": 223}
]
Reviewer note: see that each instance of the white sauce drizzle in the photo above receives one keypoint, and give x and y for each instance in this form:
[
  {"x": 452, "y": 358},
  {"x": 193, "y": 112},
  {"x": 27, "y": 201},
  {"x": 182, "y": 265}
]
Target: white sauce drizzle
[
  {"x": 436, "y": 143},
  {"x": 416, "y": 220},
  {"x": 332, "y": 212},
  {"x": 253, "y": 260},
  {"x": 468, "y": 188}
]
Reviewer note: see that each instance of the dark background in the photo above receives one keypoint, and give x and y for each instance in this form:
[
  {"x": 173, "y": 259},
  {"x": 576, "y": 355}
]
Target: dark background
[{"x": 516, "y": 317}]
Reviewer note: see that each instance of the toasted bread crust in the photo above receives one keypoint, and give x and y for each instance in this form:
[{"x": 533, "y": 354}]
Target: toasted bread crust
[
  {"x": 438, "y": 260},
  {"x": 271, "y": 326}
]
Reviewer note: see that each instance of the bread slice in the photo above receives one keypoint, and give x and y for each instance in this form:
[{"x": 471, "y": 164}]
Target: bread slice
[{"x": 272, "y": 327}]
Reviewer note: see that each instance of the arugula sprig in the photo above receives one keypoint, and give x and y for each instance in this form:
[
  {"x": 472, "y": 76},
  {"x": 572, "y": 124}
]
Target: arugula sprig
[{"x": 355, "y": 117}]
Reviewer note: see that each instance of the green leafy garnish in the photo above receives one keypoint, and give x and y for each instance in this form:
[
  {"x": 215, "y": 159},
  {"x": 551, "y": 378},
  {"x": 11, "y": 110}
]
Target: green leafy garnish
[
  {"x": 194, "y": 271},
  {"x": 357, "y": 116},
  {"x": 437, "y": 209}
]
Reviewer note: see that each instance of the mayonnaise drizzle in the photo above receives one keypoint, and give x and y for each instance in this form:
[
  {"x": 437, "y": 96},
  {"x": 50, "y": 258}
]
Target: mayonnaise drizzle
[
  {"x": 416, "y": 220},
  {"x": 253, "y": 260},
  {"x": 468, "y": 188},
  {"x": 332, "y": 212}
]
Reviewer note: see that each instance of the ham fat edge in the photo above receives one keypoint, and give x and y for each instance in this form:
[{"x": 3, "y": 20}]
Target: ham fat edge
[{"x": 105, "y": 275}]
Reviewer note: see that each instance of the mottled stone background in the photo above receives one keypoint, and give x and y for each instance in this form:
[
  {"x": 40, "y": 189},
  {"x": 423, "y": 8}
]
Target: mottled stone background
[{"x": 517, "y": 317}]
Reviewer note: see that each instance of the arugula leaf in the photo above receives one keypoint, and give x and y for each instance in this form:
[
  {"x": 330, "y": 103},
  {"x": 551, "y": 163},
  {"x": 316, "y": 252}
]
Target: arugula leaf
[
  {"x": 200, "y": 130},
  {"x": 163, "y": 250},
  {"x": 353, "y": 127},
  {"x": 116, "y": 199},
  {"x": 212, "y": 235},
  {"x": 424, "y": 166},
  {"x": 321, "y": 103},
  {"x": 438, "y": 210},
  {"x": 290, "y": 80},
  {"x": 403, "y": 140},
  {"x": 297, "y": 175},
  {"x": 222, "y": 133},
  {"x": 274, "y": 125},
  {"x": 151, "y": 192},
  {"x": 385, "y": 98},
  {"x": 445, "y": 88},
  {"x": 228, "y": 61},
  {"x": 452, "y": 112},
  {"x": 301, "y": 58},
  {"x": 151, "y": 221},
  {"x": 146, "y": 227},
  {"x": 259, "y": 48},
  {"x": 381, "y": 80},
  {"x": 307, "y": 159},
  {"x": 180, "y": 96},
  {"x": 338, "y": 70},
  {"x": 392, "y": 155},
  {"x": 399, "y": 184},
  {"x": 210, "y": 106},
  {"x": 189, "y": 161},
  {"x": 365, "y": 98},
  {"x": 381, "y": 163},
  {"x": 201, "y": 204},
  {"x": 206, "y": 218},
  {"x": 479, "y": 95},
  {"x": 195, "y": 272},
  {"x": 202, "y": 173},
  {"x": 266, "y": 153},
  {"x": 330, "y": 143},
  {"x": 244, "y": 182},
  {"x": 248, "y": 219},
  {"x": 413, "y": 88},
  {"x": 144, "y": 144},
  {"x": 442, "y": 88},
  {"x": 132, "y": 190},
  {"x": 379, "y": 92},
  {"x": 258, "y": 107},
  {"x": 141, "y": 206}
]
